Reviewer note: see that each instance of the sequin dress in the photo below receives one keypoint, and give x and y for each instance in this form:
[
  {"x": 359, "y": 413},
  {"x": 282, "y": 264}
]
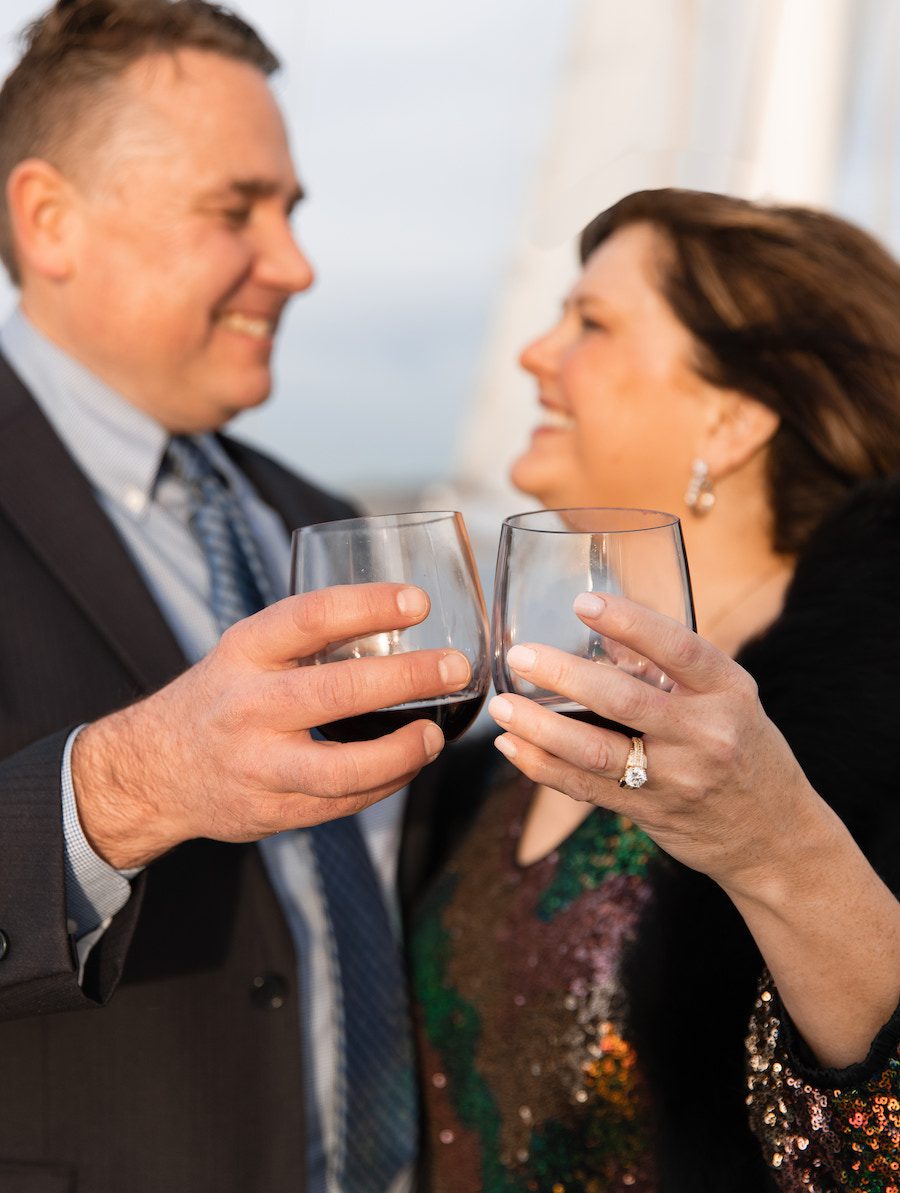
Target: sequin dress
[
  {"x": 531, "y": 1078},
  {"x": 601, "y": 1020}
]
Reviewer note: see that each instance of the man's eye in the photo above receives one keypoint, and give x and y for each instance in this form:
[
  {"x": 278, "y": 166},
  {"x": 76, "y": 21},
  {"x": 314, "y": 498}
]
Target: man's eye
[{"x": 236, "y": 217}]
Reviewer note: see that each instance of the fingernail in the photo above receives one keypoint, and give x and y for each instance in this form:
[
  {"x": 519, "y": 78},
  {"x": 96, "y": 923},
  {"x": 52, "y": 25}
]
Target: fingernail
[
  {"x": 521, "y": 658},
  {"x": 506, "y": 747},
  {"x": 588, "y": 604},
  {"x": 500, "y": 709},
  {"x": 454, "y": 668},
  {"x": 433, "y": 741},
  {"x": 412, "y": 602}
]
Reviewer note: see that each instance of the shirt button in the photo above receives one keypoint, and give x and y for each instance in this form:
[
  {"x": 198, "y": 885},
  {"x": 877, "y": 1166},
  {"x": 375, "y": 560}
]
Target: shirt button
[
  {"x": 134, "y": 499},
  {"x": 4, "y": 944},
  {"x": 268, "y": 992}
]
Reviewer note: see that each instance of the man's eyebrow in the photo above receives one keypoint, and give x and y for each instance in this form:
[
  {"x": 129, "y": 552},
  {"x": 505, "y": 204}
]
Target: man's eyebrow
[{"x": 260, "y": 188}]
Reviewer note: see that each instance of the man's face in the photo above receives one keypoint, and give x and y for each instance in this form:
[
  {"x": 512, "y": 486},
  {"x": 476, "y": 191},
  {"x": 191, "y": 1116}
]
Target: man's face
[{"x": 182, "y": 255}]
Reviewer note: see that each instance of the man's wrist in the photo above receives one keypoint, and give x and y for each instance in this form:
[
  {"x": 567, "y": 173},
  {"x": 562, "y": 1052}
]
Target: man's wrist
[
  {"x": 95, "y": 891},
  {"x": 112, "y": 772}
]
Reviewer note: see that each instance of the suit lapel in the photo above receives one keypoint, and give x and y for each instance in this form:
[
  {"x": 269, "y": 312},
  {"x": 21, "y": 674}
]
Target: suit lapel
[
  {"x": 296, "y": 501},
  {"x": 50, "y": 502}
]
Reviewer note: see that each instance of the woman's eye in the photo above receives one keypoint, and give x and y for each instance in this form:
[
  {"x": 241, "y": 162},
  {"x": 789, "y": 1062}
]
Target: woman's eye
[{"x": 588, "y": 324}]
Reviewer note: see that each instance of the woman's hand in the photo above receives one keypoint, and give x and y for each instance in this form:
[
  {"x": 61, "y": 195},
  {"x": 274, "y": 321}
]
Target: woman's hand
[
  {"x": 726, "y": 796},
  {"x": 722, "y": 784}
]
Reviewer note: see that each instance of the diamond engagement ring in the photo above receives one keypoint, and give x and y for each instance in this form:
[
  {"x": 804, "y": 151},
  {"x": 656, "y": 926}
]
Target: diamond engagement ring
[{"x": 635, "y": 773}]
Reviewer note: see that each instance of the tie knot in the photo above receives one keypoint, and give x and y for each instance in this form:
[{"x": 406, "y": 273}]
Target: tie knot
[
  {"x": 239, "y": 585},
  {"x": 190, "y": 461}
]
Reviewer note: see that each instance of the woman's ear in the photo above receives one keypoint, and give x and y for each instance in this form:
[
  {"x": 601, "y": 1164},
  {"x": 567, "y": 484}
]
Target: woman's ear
[
  {"x": 40, "y": 204},
  {"x": 739, "y": 428}
]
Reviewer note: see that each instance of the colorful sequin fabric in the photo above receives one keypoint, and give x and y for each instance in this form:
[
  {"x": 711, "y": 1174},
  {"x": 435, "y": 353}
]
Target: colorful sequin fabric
[
  {"x": 531, "y": 1083},
  {"x": 819, "y": 1139}
]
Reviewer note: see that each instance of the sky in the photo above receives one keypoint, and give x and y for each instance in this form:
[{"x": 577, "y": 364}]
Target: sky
[{"x": 417, "y": 130}]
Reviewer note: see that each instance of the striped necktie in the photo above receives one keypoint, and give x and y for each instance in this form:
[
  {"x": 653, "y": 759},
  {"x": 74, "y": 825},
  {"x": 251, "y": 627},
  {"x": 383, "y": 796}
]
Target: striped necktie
[
  {"x": 376, "y": 1093},
  {"x": 377, "y": 1097},
  {"x": 238, "y": 582}
]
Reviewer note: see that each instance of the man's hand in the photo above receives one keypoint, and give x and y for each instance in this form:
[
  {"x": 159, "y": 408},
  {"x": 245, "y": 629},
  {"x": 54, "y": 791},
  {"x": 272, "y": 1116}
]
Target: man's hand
[{"x": 225, "y": 751}]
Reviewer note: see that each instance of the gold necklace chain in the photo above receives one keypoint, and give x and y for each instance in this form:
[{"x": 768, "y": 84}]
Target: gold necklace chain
[{"x": 757, "y": 585}]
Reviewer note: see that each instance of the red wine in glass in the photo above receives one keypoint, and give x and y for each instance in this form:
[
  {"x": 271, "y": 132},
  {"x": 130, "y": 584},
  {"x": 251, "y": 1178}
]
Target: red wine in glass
[
  {"x": 453, "y": 715},
  {"x": 431, "y": 550},
  {"x": 548, "y": 557}
]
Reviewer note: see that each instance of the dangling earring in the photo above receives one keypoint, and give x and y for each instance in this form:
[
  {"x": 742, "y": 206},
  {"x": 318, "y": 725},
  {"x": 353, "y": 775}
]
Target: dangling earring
[{"x": 700, "y": 496}]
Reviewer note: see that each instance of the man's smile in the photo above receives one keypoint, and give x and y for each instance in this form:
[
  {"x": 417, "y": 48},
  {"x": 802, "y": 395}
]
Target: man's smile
[{"x": 257, "y": 326}]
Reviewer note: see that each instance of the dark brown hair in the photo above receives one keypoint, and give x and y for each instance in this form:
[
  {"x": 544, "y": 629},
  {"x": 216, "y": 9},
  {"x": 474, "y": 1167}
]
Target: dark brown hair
[
  {"x": 73, "y": 56},
  {"x": 801, "y": 311}
]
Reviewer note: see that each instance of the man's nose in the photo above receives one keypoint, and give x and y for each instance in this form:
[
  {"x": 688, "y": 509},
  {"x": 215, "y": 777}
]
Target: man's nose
[{"x": 281, "y": 264}]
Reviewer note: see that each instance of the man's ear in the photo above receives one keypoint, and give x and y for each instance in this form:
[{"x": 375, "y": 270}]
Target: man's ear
[
  {"x": 41, "y": 210},
  {"x": 740, "y": 427}
]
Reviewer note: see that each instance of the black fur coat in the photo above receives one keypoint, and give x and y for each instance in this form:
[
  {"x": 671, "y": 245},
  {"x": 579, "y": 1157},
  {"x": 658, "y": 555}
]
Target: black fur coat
[{"x": 828, "y": 672}]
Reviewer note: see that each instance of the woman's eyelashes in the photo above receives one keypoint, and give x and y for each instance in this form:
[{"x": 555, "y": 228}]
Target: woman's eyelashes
[{"x": 589, "y": 324}]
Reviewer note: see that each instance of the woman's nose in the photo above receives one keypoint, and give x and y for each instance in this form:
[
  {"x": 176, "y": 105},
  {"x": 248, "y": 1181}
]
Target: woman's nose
[{"x": 540, "y": 356}]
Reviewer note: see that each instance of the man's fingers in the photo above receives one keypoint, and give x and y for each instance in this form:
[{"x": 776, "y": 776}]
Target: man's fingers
[
  {"x": 304, "y": 811},
  {"x": 354, "y": 771},
  {"x": 299, "y": 626},
  {"x": 685, "y": 657},
  {"x": 306, "y": 697}
]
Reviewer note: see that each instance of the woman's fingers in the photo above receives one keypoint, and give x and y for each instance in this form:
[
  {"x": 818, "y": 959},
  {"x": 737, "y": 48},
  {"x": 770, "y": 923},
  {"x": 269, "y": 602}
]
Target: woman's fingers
[
  {"x": 685, "y": 657},
  {"x": 597, "y": 686},
  {"x": 600, "y": 751},
  {"x": 541, "y": 767},
  {"x": 697, "y": 668},
  {"x": 584, "y": 761}
]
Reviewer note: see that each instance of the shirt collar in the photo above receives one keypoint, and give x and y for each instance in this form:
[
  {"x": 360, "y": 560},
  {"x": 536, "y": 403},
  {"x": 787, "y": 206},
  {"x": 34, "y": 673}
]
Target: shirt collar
[{"x": 117, "y": 446}]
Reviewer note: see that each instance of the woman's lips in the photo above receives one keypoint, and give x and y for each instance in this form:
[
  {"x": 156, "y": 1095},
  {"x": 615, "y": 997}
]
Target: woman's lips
[{"x": 554, "y": 419}]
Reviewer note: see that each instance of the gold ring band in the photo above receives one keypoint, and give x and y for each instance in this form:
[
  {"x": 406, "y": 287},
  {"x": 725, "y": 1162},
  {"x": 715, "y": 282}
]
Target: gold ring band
[{"x": 635, "y": 772}]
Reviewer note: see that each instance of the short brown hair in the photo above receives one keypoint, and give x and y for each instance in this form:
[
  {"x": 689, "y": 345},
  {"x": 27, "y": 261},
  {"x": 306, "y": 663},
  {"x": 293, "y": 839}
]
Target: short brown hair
[
  {"x": 74, "y": 54},
  {"x": 798, "y": 309}
]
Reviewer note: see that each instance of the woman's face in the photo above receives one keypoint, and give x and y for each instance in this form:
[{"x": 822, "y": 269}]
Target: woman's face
[{"x": 625, "y": 413}]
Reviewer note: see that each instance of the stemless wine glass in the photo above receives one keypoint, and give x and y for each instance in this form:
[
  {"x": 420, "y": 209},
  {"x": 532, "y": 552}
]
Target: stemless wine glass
[
  {"x": 546, "y": 558},
  {"x": 430, "y": 550}
]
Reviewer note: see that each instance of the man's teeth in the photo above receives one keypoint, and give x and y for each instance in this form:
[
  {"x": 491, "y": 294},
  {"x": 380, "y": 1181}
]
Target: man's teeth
[
  {"x": 557, "y": 418},
  {"x": 250, "y": 325}
]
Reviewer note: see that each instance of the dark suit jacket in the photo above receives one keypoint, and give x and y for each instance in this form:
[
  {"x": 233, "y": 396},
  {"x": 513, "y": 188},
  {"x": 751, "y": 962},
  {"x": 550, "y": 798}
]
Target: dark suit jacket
[{"x": 177, "y": 1067}]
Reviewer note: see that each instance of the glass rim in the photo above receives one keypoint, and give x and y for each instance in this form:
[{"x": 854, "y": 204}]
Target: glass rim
[
  {"x": 360, "y": 521},
  {"x": 517, "y": 521}
]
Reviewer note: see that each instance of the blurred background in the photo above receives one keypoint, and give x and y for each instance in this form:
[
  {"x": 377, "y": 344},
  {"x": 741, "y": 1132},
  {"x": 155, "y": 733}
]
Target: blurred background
[{"x": 453, "y": 151}]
